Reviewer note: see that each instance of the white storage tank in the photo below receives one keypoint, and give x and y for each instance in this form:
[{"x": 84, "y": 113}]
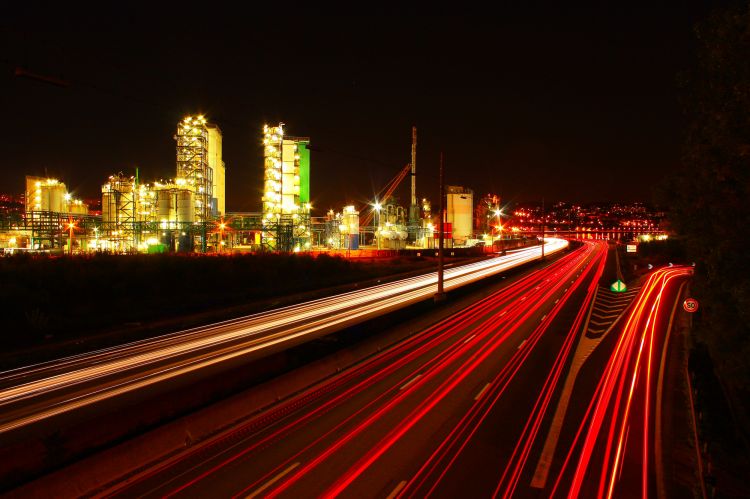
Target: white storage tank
[
  {"x": 185, "y": 206},
  {"x": 164, "y": 204},
  {"x": 350, "y": 219}
]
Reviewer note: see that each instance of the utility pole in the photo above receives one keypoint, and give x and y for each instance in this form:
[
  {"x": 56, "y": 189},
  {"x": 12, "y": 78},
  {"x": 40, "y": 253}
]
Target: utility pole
[
  {"x": 440, "y": 295},
  {"x": 71, "y": 226},
  {"x": 543, "y": 227}
]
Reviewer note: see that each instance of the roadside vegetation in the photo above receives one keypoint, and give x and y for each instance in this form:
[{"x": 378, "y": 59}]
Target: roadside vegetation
[
  {"x": 47, "y": 298},
  {"x": 710, "y": 211}
]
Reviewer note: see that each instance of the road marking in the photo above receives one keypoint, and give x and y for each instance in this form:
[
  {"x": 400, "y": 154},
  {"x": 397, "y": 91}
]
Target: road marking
[
  {"x": 415, "y": 378},
  {"x": 469, "y": 338},
  {"x": 272, "y": 481},
  {"x": 658, "y": 458},
  {"x": 504, "y": 312},
  {"x": 397, "y": 489},
  {"x": 522, "y": 343},
  {"x": 481, "y": 392},
  {"x": 541, "y": 472},
  {"x": 564, "y": 290},
  {"x": 522, "y": 299},
  {"x": 545, "y": 316},
  {"x": 557, "y": 301}
]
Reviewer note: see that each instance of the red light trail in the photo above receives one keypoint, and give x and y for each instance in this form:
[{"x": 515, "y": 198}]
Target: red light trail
[
  {"x": 341, "y": 436},
  {"x": 493, "y": 320},
  {"x": 627, "y": 382}
]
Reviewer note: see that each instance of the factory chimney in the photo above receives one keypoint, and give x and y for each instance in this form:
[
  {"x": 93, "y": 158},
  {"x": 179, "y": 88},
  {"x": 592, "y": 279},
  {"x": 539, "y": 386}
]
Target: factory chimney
[{"x": 414, "y": 207}]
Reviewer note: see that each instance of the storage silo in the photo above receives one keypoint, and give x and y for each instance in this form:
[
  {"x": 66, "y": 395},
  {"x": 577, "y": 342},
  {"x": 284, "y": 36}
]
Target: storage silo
[
  {"x": 185, "y": 206},
  {"x": 350, "y": 226},
  {"x": 460, "y": 211},
  {"x": 164, "y": 205}
]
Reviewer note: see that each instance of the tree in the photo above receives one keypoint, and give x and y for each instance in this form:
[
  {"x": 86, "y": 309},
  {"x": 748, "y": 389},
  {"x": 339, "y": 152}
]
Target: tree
[{"x": 710, "y": 199}]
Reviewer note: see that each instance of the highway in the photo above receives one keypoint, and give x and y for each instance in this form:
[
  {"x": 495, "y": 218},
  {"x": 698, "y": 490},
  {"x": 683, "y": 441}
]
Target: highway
[
  {"x": 612, "y": 446},
  {"x": 35, "y": 393},
  {"x": 398, "y": 423}
]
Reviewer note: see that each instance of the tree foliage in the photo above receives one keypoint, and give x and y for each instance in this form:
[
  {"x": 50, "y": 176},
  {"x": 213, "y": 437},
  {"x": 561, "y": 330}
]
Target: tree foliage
[{"x": 710, "y": 198}]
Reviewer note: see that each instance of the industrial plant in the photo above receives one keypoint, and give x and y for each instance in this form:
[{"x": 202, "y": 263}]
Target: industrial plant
[{"x": 187, "y": 213}]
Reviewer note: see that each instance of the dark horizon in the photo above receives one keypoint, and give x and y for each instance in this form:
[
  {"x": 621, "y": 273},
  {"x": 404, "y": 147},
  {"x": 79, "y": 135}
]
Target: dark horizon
[{"x": 569, "y": 105}]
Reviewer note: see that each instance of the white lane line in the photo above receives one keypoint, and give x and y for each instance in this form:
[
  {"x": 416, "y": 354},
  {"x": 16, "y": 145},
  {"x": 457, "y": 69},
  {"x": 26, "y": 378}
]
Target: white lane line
[
  {"x": 545, "y": 316},
  {"x": 397, "y": 489},
  {"x": 481, "y": 392},
  {"x": 522, "y": 344},
  {"x": 469, "y": 338},
  {"x": 504, "y": 312},
  {"x": 272, "y": 481},
  {"x": 557, "y": 301},
  {"x": 415, "y": 378},
  {"x": 522, "y": 299}
]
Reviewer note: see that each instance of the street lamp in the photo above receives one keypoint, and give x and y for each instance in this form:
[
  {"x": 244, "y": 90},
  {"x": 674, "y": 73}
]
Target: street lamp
[
  {"x": 377, "y": 207},
  {"x": 222, "y": 226},
  {"x": 498, "y": 214},
  {"x": 71, "y": 228}
]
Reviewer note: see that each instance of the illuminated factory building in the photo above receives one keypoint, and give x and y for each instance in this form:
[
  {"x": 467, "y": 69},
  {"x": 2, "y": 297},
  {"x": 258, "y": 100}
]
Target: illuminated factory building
[
  {"x": 188, "y": 213},
  {"x": 49, "y": 194},
  {"x": 200, "y": 165},
  {"x": 286, "y": 198}
]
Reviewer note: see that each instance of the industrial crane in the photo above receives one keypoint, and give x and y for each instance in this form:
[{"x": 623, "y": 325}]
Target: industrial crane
[{"x": 386, "y": 193}]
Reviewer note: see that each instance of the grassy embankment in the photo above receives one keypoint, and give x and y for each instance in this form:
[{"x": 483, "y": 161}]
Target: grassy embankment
[{"x": 54, "y": 299}]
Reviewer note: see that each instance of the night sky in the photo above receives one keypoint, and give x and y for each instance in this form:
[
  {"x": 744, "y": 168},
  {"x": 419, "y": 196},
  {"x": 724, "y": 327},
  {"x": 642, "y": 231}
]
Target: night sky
[{"x": 578, "y": 105}]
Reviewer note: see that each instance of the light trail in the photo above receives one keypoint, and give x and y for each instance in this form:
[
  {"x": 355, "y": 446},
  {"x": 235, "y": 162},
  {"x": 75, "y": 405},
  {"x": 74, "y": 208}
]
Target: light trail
[
  {"x": 488, "y": 337},
  {"x": 450, "y": 449},
  {"x": 523, "y": 447},
  {"x": 82, "y": 380},
  {"x": 627, "y": 381},
  {"x": 370, "y": 373}
]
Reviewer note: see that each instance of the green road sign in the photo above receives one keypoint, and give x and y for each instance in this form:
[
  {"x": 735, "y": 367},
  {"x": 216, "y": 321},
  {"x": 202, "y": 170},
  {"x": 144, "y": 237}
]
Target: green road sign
[{"x": 618, "y": 286}]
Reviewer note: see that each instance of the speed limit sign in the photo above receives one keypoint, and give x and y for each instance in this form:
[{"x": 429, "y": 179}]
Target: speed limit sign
[{"x": 690, "y": 305}]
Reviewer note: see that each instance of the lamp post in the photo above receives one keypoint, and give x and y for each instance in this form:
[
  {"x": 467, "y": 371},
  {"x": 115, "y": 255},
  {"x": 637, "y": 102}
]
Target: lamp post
[
  {"x": 377, "y": 206},
  {"x": 222, "y": 226},
  {"x": 440, "y": 295},
  {"x": 71, "y": 228},
  {"x": 499, "y": 214}
]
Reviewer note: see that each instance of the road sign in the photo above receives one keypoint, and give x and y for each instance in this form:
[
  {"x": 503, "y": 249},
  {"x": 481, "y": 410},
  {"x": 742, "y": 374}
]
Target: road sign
[
  {"x": 618, "y": 286},
  {"x": 649, "y": 266},
  {"x": 690, "y": 305},
  {"x": 631, "y": 248}
]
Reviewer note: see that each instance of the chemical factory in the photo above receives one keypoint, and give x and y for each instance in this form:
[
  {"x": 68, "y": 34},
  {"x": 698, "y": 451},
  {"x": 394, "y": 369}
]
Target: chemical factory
[{"x": 187, "y": 213}]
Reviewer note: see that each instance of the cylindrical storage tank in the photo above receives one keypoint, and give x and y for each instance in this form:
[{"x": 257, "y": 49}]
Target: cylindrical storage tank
[
  {"x": 79, "y": 209},
  {"x": 350, "y": 218},
  {"x": 460, "y": 212},
  {"x": 386, "y": 234},
  {"x": 164, "y": 202},
  {"x": 56, "y": 196},
  {"x": 185, "y": 206}
]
